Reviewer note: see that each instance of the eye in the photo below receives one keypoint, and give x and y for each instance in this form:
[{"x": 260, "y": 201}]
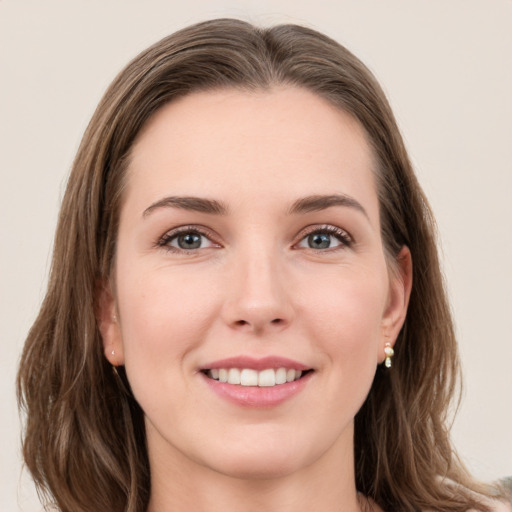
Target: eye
[
  {"x": 326, "y": 237},
  {"x": 186, "y": 239}
]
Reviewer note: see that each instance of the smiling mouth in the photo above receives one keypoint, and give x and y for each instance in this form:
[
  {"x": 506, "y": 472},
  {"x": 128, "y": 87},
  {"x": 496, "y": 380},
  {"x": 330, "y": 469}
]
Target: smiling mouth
[{"x": 269, "y": 377}]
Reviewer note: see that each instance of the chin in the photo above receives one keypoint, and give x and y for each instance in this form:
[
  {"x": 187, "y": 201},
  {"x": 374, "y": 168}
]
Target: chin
[
  {"x": 262, "y": 458},
  {"x": 258, "y": 467}
]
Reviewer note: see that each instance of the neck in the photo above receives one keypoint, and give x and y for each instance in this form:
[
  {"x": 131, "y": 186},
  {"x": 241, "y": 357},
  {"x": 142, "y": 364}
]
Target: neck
[
  {"x": 226, "y": 494},
  {"x": 327, "y": 485}
]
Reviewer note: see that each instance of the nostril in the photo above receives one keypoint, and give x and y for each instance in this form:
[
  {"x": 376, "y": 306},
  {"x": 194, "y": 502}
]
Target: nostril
[{"x": 275, "y": 321}]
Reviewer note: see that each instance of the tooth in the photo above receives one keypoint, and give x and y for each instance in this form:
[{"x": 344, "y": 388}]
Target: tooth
[
  {"x": 234, "y": 376},
  {"x": 249, "y": 377},
  {"x": 267, "y": 378},
  {"x": 280, "y": 375}
]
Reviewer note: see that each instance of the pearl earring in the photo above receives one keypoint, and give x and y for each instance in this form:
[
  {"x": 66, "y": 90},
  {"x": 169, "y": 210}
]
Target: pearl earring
[
  {"x": 114, "y": 366},
  {"x": 388, "y": 350}
]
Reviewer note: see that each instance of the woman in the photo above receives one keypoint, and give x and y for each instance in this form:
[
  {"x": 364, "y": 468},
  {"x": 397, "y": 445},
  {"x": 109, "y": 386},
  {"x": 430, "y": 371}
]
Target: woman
[{"x": 244, "y": 242}]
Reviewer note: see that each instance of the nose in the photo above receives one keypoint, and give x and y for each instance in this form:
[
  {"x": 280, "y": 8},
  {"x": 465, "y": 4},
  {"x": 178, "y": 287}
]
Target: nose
[{"x": 258, "y": 295}]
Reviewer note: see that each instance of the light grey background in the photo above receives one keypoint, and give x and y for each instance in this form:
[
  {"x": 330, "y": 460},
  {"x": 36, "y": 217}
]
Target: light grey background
[{"x": 447, "y": 68}]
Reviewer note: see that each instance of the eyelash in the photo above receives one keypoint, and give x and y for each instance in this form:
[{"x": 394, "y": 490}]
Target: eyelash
[
  {"x": 341, "y": 235},
  {"x": 165, "y": 240}
]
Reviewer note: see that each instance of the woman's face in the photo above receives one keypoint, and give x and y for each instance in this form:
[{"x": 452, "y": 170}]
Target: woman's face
[{"x": 249, "y": 249}]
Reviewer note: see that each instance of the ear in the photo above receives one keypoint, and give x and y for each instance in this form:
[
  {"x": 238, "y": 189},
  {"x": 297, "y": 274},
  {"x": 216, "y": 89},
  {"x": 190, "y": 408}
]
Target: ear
[
  {"x": 108, "y": 324},
  {"x": 400, "y": 285}
]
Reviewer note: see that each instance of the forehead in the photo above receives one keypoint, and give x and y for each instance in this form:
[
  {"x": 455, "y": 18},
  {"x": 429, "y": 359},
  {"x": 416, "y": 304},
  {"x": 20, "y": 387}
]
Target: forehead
[{"x": 280, "y": 141}]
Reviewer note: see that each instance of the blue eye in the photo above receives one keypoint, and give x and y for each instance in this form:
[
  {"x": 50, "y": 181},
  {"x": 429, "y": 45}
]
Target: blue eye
[
  {"x": 319, "y": 241},
  {"x": 327, "y": 237},
  {"x": 186, "y": 239}
]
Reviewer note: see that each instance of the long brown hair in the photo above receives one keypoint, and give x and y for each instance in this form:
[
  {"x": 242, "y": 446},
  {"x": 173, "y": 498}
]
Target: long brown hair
[{"x": 84, "y": 438}]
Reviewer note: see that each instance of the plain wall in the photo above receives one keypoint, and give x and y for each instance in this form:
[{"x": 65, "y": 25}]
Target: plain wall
[{"x": 446, "y": 66}]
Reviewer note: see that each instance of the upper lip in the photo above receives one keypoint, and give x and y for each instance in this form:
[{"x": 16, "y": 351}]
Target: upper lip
[{"x": 256, "y": 363}]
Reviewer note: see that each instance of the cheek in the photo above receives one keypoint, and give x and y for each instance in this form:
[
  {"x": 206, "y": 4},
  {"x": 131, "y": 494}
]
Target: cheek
[
  {"x": 163, "y": 313},
  {"x": 347, "y": 317},
  {"x": 164, "y": 317},
  {"x": 344, "y": 320}
]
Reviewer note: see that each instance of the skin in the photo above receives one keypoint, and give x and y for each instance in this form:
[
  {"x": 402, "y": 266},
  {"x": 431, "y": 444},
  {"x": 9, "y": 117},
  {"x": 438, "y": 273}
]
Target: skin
[{"x": 255, "y": 287}]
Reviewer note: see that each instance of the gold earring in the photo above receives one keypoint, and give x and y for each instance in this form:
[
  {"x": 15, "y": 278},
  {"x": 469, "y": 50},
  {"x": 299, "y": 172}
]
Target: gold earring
[{"x": 388, "y": 350}]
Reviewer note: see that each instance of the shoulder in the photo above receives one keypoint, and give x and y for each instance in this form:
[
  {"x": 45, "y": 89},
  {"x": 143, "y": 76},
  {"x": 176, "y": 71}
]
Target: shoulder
[
  {"x": 502, "y": 501},
  {"x": 505, "y": 504},
  {"x": 497, "y": 506}
]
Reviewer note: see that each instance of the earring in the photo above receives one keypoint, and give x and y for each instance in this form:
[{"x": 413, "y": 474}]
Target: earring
[
  {"x": 388, "y": 350},
  {"x": 114, "y": 367}
]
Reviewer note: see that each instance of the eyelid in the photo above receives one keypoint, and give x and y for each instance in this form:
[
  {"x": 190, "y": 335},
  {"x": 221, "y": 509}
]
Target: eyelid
[
  {"x": 346, "y": 240},
  {"x": 342, "y": 234},
  {"x": 168, "y": 236}
]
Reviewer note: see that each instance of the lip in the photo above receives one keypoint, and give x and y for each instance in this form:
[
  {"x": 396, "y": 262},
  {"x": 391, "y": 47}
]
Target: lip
[
  {"x": 258, "y": 364},
  {"x": 257, "y": 397}
]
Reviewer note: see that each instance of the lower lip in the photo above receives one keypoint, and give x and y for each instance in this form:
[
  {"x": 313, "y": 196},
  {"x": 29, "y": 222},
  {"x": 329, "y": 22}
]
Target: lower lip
[{"x": 255, "y": 396}]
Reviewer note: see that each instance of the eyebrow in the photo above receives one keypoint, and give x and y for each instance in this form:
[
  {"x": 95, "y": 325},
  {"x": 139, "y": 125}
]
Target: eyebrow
[
  {"x": 196, "y": 204},
  {"x": 304, "y": 205},
  {"x": 319, "y": 202}
]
